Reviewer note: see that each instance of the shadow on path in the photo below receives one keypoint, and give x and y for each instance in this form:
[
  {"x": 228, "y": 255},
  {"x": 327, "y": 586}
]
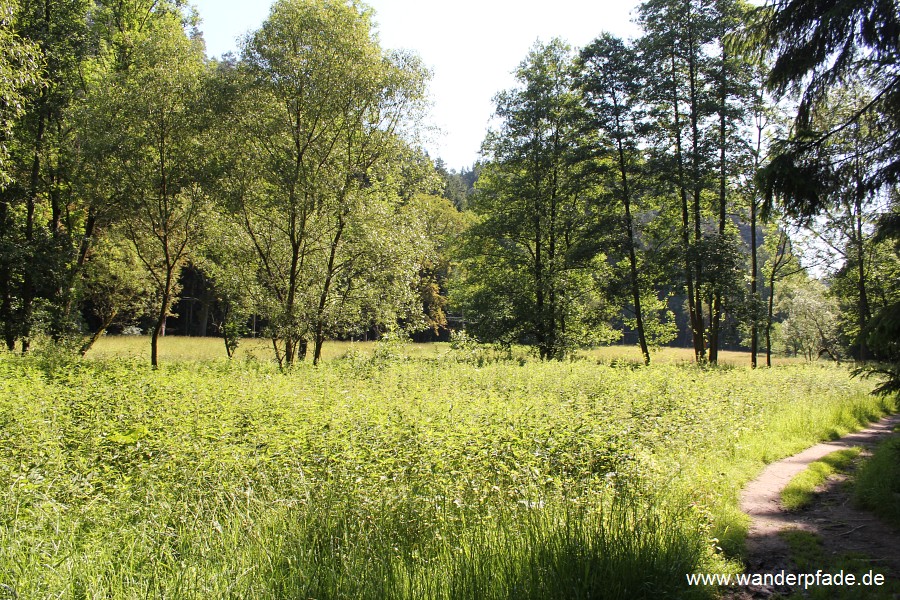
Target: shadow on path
[{"x": 842, "y": 528}]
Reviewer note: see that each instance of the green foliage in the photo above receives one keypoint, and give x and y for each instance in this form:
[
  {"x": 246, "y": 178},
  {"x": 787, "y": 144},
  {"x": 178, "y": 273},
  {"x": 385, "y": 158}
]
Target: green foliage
[
  {"x": 532, "y": 260},
  {"x": 809, "y": 328},
  {"x": 318, "y": 196},
  {"x": 20, "y": 63},
  {"x": 877, "y": 483},
  {"x": 417, "y": 478},
  {"x": 818, "y": 47}
]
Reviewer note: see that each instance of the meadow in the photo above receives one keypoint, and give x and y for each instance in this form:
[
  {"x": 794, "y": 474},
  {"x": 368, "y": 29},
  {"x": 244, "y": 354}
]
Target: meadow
[{"x": 390, "y": 472}]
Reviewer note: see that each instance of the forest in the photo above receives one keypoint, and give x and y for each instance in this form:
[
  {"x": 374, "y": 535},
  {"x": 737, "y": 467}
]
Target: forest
[
  {"x": 719, "y": 195},
  {"x": 719, "y": 182}
]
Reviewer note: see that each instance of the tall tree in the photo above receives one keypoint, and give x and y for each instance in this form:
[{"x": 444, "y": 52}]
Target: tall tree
[
  {"x": 153, "y": 110},
  {"x": 731, "y": 87},
  {"x": 20, "y": 63},
  {"x": 38, "y": 244},
  {"x": 317, "y": 129},
  {"x": 676, "y": 33},
  {"x": 609, "y": 80},
  {"x": 848, "y": 206},
  {"x": 533, "y": 255}
]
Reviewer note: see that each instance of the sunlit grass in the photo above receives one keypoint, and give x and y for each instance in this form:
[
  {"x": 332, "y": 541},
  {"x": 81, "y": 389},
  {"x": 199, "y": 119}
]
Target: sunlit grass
[
  {"x": 666, "y": 355},
  {"x": 380, "y": 475},
  {"x": 801, "y": 490},
  {"x": 180, "y": 349},
  {"x": 177, "y": 348}
]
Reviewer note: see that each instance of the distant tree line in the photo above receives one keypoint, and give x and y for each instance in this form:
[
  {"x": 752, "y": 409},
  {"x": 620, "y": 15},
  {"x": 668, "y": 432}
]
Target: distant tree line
[
  {"x": 674, "y": 188},
  {"x": 663, "y": 175}
]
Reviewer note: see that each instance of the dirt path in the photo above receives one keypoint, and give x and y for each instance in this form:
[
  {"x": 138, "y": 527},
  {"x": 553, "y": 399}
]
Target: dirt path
[{"x": 841, "y": 527}]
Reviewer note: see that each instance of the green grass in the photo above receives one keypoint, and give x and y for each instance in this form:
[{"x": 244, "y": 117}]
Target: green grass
[
  {"x": 379, "y": 475},
  {"x": 181, "y": 349},
  {"x": 801, "y": 490},
  {"x": 877, "y": 484}
]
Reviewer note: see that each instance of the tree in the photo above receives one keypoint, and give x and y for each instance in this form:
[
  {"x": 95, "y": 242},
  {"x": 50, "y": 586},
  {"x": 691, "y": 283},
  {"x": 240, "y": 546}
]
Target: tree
[
  {"x": 677, "y": 31},
  {"x": 780, "y": 264},
  {"x": 37, "y": 242},
  {"x": 818, "y": 46},
  {"x": 443, "y": 225},
  {"x": 696, "y": 91},
  {"x": 116, "y": 286},
  {"x": 316, "y": 136},
  {"x": 20, "y": 66},
  {"x": 154, "y": 112},
  {"x": 533, "y": 256},
  {"x": 848, "y": 208},
  {"x": 810, "y": 326},
  {"x": 609, "y": 80},
  {"x": 731, "y": 84},
  {"x": 883, "y": 331}
]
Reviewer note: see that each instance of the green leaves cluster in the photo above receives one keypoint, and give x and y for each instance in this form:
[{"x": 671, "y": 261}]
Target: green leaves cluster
[{"x": 290, "y": 175}]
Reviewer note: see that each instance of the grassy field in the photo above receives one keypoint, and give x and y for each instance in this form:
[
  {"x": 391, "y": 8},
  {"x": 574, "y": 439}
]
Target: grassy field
[
  {"x": 393, "y": 472},
  {"x": 180, "y": 349}
]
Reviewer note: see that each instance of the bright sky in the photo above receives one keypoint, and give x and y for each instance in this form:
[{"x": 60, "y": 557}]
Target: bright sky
[{"x": 471, "y": 46}]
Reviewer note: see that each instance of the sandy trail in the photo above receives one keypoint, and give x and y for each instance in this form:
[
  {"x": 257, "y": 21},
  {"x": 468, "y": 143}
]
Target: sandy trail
[{"x": 842, "y": 528}]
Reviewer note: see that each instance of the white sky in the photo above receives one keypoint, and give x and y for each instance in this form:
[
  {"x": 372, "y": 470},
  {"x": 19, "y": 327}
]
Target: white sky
[{"x": 471, "y": 47}]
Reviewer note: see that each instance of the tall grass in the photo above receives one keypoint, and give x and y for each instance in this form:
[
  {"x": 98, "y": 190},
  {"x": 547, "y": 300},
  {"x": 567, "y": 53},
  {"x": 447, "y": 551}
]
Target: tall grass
[
  {"x": 389, "y": 477},
  {"x": 877, "y": 484}
]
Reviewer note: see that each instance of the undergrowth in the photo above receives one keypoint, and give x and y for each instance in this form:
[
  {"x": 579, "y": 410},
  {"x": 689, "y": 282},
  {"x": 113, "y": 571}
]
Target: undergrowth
[
  {"x": 379, "y": 477},
  {"x": 877, "y": 485}
]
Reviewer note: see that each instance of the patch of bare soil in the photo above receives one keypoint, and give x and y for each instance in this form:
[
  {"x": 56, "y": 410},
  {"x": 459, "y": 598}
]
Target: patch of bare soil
[{"x": 842, "y": 528}]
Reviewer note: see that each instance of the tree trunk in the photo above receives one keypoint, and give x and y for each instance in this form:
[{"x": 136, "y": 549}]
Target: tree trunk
[
  {"x": 159, "y": 327},
  {"x": 696, "y": 328},
  {"x": 6, "y": 310},
  {"x": 717, "y": 302},
  {"x": 863, "y": 306},
  {"x": 769, "y": 315},
  {"x": 103, "y": 327},
  {"x": 697, "y": 190},
  {"x": 319, "y": 338},
  {"x": 754, "y": 293},
  {"x": 632, "y": 257}
]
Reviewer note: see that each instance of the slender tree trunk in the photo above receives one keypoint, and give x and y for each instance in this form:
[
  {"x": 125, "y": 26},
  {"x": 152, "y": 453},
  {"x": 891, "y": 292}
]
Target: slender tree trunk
[
  {"x": 717, "y": 302},
  {"x": 6, "y": 317},
  {"x": 159, "y": 327},
  {"x": 103, "y": 327},
  {"x": 540, "y": 317},
  {"x": 697, "y": 189},
  {"x": 28, "y": 291},
  {"x": 769, "y": 315},
  {"x": 6, "y": 308},
  {"x": 754, "y": 292},
  {"x": 319, "y": 338},
  {"x": 74, "y": 274},
  {"x": 632, "y": 257},
  {"x": 863, "y": 306},
  {"x": 696, "y": 328},
  {"x": 754, "y": 251},
  {"x": 278, "y": 355}
]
